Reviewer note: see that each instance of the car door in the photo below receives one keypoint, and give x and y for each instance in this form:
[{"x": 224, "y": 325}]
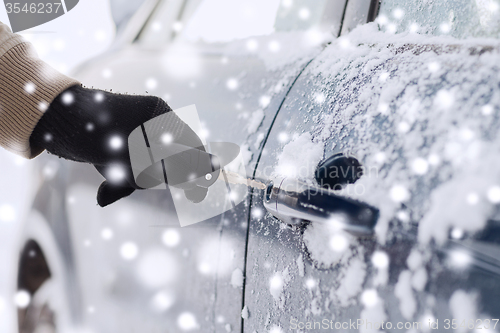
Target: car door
[
  {"x": 415, "y": 112},
  {"x": 238, "y": 80}
]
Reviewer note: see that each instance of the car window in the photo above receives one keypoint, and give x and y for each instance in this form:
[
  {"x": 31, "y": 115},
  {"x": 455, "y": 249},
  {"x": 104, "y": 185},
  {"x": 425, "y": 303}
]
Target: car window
[
  {"x": 162, "y": 25},
  {"x": 215, "y": 21},
  {"x": 458, "y": 18}
]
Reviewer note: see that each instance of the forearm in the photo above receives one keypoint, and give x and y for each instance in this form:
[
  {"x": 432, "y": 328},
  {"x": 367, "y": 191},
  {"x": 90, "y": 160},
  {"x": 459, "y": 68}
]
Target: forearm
[{"x": 27, "y": 87}]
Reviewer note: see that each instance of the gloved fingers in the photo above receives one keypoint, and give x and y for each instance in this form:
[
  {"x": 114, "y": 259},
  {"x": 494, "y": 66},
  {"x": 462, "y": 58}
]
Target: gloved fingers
[
  {"x": 109, "y": 193},
  {"x": 118, "y": 174}
]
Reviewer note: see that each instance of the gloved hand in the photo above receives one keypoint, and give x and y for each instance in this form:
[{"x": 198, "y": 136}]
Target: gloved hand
[{"x": 92, "y": 126}]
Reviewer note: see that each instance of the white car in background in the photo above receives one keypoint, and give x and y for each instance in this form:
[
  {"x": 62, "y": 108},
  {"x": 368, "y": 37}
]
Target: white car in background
[{"x": 411, "y": 99}]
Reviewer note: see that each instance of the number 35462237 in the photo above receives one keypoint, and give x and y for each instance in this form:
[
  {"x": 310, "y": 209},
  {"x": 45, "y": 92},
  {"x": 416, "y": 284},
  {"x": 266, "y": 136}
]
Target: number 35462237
[
  {"x": 478, "y": 324},
  {"x": 33, "y": 8}
]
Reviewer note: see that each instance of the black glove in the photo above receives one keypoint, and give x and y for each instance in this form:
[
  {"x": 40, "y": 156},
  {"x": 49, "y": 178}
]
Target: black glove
[{"x": 92, "y": 126}]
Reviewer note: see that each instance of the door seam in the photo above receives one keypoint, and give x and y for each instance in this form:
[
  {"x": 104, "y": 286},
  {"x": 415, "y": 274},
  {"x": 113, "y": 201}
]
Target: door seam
[{"x": 250, "y": 201}]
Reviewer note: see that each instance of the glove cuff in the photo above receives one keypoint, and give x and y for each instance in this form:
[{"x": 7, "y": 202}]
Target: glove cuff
[{"x": 30, "y": 86}]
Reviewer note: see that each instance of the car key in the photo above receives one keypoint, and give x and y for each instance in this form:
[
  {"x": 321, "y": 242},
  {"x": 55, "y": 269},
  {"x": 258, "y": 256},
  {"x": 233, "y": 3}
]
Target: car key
[{"x": 235, "y": 178}]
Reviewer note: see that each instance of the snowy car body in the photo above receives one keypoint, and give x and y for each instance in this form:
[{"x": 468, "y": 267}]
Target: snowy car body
[{"x": 418, "y": 112}]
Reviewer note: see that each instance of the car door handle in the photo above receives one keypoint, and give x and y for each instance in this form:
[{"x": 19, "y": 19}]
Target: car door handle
[{"x": 294, "y": 202}]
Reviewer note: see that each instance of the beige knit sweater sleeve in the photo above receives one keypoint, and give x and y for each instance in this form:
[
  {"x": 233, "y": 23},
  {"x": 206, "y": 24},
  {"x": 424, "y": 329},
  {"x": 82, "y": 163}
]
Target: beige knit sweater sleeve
[{"x": 27, "y": 87}]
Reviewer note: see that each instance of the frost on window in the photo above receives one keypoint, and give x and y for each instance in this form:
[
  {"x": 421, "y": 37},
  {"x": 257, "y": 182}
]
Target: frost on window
[{"x": 457, "y": 18}]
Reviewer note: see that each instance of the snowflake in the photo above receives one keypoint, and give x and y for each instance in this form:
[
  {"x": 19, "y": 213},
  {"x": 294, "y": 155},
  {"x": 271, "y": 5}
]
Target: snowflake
[
  {"x": 399, "y": 193},
  {"x": 162, "y": 301},
  {"x": 252, "y": 45},
  {"x": 403, "y": 216},
  {"x": 383, "y": 108},
  {"x": 433, "y": 66},
  {"x": 107, "y": 73},
  {"x": 344, "y": 42},
  {"x": 264, "y": 101},
  {"x": 460, "y": 259},
  {"x": 99, "y": 97},
  {"x": 338, "y": 243},
  {"x": 472, "y": 198},
  {"x": 59, "y": 44},
  {"x": 434, "y": 159},
  {"x": 380, "y": 157},
  {"x": 107, "y": 234},
  {"x": 369, "y": 298},
  {"x": 116, "y": 173},
  {"x": 177, "y": 26},
  {"x": 89, "y": 127},
  {"x": 129, "y": 251},
  {"x": 7, "y": 213},
  {"x": 494, "y": 194},
  {"x": 116, "y": 142},
  {"x": 100, "y": 35},
  {"x": 30, "y": 87},
  {"x": 22, "y": 299},
  {"x": 403, "y": 127},
  {"x": 275, "y": 329},
  {"x": 304, "y": 13},
  {"x": 151, "y": 83},
  {"x": 391, "y": 28},
  {"x": 380, "y": 260},
  {"x": 420, "y": 166},
  {"x": 187, "y": 321},
  {"x": 167, "y": 138},
  {"x": 274, "y": 46},
  {"x": 382, "y": 20},
  {"x": 283, "y": 137},
  {"x": 68, "y": 98},
  {"x": 232, "y": 84},
  {"x": 310, "y": 283},
  {"x": 383, "y": 77},
  {"x": 457, "y": 233},
  {"x": 276, "y": 282},
  {"x": 171, "y": 238},
  {"x": 257, "y": 213},
  {"x": 398, "y": 13},
  {"x": 487, "y": 110},
  {"x": 445, "y": 28},
  {"x": 414, "y": 28},
  {"x": 43, "y": 106},
  {"x": 319, "y": 98},
  {"x": 156, "y": 26}
]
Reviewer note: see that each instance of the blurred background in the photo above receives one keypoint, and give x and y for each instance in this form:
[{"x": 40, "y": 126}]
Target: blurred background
[{"x": 64, "y": 43}]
